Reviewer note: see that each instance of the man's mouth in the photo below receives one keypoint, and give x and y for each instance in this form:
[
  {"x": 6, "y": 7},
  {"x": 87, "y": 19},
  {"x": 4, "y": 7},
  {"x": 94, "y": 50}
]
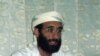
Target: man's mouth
[{"x": 52, "y": 43}]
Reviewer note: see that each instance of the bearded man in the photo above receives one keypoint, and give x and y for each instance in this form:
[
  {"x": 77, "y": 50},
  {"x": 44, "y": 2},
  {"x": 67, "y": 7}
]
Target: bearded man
[{"x": 47, "y": 29}]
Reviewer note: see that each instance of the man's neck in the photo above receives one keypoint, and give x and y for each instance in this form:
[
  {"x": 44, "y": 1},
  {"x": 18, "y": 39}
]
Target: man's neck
[{"x": 44, "y": 53}]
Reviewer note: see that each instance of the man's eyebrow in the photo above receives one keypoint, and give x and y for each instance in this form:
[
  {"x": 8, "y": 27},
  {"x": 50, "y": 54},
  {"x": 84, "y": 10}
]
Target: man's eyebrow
[
  {"x": 60, "y": 27},
  {"x": 53, "y": 27},
  {"x": 50, "y": 27}
]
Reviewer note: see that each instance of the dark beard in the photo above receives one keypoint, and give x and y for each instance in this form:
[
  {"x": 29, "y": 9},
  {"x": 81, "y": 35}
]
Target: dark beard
[{"x": 43, "y": 43}]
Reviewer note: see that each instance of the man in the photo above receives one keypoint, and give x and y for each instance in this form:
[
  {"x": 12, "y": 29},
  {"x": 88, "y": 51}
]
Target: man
[{"x": 47, "y": 29}]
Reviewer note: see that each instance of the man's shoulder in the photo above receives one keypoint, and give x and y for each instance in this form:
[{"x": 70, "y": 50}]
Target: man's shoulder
[
  {"x": 26, "y": 51},
  {"x": 62, "y": 53}
]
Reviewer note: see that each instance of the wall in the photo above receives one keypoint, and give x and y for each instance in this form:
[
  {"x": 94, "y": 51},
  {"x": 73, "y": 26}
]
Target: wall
[{"x": 81, "y": 34}]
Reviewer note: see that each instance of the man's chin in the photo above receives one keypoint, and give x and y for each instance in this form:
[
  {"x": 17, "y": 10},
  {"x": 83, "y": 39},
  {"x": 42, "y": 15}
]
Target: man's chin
[
  {"x": 51, "y": 49},
  {"x": 54, "y": 49}
]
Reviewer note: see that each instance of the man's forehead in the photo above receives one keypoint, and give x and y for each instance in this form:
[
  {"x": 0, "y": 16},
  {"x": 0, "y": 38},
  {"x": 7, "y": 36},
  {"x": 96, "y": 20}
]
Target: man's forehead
[{"x": 52, "y": 23}]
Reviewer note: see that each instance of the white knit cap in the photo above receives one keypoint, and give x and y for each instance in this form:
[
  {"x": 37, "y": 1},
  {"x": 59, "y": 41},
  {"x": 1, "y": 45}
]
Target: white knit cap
[{"x": 45, "y": 17}]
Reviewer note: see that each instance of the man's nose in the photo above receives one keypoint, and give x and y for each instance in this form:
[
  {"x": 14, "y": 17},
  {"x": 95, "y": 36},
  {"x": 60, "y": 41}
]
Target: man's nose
[{"x": 55, "y": 35}]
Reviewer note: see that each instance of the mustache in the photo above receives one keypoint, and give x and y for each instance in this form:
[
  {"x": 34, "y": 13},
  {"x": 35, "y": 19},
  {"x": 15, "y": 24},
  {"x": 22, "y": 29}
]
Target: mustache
[{"x": 56, "y": 40}]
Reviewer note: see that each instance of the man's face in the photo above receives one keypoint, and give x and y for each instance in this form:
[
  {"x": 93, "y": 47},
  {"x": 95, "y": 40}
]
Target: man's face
[{"x": 49, "y": 38}]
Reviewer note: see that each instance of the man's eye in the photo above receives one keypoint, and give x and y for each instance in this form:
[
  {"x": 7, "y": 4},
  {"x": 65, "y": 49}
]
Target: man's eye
[
  {"x": 60, "y": 30},
  {"x": 50, "y": 30}
]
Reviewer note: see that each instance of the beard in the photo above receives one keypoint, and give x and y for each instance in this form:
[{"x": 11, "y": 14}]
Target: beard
[{"x": 43, "y": 43}]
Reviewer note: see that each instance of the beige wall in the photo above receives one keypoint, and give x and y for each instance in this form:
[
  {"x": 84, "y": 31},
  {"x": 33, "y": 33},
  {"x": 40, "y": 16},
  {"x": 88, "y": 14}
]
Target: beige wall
[{"x": 81, "y": 35}]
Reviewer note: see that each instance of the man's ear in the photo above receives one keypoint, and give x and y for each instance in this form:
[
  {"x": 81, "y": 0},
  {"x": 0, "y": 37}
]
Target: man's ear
[{"x": 36, "y": 32}]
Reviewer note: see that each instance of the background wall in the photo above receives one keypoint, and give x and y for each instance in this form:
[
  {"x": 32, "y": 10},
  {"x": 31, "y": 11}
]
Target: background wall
[{"x": 81, "y": 35}]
